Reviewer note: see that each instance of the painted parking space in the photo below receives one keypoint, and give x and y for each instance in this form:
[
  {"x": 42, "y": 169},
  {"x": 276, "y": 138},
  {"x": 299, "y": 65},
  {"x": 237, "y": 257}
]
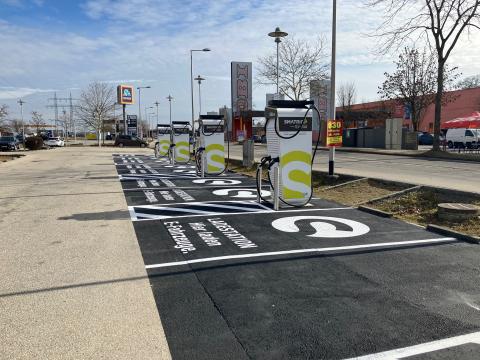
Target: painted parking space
[
  {"x": 234, "y": 279},
  {"x": 176, "y": 195},
  {"x": 157, "y": 182}
]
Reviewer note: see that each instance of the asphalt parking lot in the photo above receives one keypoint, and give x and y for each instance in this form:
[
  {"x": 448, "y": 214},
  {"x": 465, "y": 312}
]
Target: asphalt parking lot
[{"x": 233, "y": 279}]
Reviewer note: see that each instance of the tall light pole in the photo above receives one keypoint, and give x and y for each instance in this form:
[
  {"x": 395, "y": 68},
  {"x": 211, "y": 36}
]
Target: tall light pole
[
  {"x": 191, "y": 85},
  {"x": 199, "y": 79},
  {"x": 148, "y": 119},
  {"x": 139, "y": 88},
  {"x": 21, "y": 102},
  {"x": 331, "y": 154},
  {"x": 278, "y": 35},
  {"x": 170, "y": 98}
]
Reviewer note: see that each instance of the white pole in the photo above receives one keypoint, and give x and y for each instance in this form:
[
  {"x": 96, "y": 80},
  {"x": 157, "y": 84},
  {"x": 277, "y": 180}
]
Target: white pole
[{"x": 331, "y": 157}]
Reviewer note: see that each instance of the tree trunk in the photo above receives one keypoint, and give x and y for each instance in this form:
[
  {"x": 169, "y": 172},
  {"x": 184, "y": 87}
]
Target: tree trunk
[{"x": 438, "y": 106}]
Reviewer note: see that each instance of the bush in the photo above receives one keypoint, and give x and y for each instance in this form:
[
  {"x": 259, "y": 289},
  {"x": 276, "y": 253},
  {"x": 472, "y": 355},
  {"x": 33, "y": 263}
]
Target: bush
[{"x": 34, "y": 143}]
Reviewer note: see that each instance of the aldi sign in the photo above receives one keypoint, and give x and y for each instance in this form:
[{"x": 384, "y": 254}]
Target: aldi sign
[{"x": 125, "y": 94}]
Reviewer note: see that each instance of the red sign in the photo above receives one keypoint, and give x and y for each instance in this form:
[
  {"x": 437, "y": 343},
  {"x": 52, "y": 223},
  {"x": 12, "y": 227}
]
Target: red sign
[{"x": 334, "y": 133}]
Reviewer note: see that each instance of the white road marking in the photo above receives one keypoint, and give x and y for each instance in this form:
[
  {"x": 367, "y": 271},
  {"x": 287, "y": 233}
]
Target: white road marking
[
  {"x": 424, "y": 348},
  {"x": 300, "y": 251},
  {"x": 269, "y": 211}
]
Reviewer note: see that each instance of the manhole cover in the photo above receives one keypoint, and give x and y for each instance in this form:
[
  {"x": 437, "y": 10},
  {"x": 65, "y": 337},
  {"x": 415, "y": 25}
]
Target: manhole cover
[{"x": 457, "y": 211}]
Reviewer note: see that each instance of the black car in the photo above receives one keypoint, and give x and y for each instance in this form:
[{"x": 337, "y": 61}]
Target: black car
[
  {"x": 8, "y": 143},
  {"x": 129, "y": 140}
]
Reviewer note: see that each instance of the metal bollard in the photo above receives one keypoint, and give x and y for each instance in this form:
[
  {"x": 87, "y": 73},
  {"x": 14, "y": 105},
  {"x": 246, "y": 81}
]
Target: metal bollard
[
  {"x": 276, "y": 189},
  {"x": 259, "y": 184}
]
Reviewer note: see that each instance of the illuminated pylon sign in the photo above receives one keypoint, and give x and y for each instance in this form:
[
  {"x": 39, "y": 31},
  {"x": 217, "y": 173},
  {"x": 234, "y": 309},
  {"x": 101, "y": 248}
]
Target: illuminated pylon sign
[{"x": 125, "y": 94}]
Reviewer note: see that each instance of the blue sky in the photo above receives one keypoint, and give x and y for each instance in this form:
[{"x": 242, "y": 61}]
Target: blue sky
[{"x": 62, "y": 46}]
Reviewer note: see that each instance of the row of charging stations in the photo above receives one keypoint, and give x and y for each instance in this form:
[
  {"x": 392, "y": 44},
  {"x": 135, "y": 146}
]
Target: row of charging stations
[{"x": 289, "y": 147}]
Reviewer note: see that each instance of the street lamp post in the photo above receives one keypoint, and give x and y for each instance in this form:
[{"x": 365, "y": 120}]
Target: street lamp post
[
  {"x": 170, "y": 98},
  {"x": 21, "y": 102},
  {"x": 148, "y": 119},
  {"x": 199, "y": 79},
  {"x": 191, "y": 85},
  {"x": 277, "y": 34},
  {"x": 331, "y": 154},
  {"x": 139, "y": 88}
]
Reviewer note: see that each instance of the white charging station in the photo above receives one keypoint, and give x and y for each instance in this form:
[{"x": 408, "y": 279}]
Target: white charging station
[
  {"x": 180, "y": 142},
  {"x": 162, "y": 147},
  {"x": 289, "y": 147},
  {"x": 211, "y": 145}
]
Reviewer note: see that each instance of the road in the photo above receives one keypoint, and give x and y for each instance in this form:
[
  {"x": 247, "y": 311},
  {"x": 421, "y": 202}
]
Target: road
[
  {"x": 73, "y": 282},
  {"x": 457, "y": 175},
  {"x": 234, "y": 279}
]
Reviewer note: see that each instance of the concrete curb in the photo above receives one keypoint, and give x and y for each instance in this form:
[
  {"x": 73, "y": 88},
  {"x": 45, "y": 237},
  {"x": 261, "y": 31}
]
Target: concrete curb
[
  {"x": 376, "y": 212},
  {"x": 448, "y": 232}
]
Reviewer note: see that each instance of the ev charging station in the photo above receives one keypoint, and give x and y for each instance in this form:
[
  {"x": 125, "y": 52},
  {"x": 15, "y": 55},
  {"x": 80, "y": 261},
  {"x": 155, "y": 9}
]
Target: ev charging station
[
  {"x": 289, "y": 147},
  {"x": 162, "y": 147},
  {"x": 210, "y": 154},
  {"x": 180, "y": 146}
]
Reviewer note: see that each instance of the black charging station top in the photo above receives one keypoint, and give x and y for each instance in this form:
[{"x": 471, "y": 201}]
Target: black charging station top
[
  {"x": 211, "y": 117},
  {"x": 291, "y": 104},
  {"x": 181, "y": 122},
  {"x": 163, "y": 125}
]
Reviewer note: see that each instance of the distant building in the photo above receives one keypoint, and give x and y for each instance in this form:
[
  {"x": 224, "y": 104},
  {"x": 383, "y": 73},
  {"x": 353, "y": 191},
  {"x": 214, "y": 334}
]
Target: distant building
[{"x": 373, "y": 114}]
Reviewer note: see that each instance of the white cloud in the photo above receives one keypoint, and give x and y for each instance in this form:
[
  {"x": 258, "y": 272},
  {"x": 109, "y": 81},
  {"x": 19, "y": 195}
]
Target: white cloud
[
  {"x": 151, "y": 39},
  {"x": 10, "y": 93}
]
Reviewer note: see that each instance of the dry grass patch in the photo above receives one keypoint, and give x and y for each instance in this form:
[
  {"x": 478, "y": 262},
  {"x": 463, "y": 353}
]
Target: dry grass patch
[{"x": 420, "y": 207}]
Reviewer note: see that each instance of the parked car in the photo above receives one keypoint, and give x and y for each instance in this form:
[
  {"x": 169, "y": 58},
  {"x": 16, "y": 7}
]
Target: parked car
[
  {"x": 257, "y": 138},
  {"x": 129, "y": 140},
  {"x": 463, "y": 138},
  {"x": 55, "y": 142},
  {"x": 425, "y": 138},
  {"x": 8, "y": 143}
]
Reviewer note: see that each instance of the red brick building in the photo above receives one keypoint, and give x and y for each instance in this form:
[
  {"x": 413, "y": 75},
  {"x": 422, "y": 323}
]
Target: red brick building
[{"x": 373, "y": 114}]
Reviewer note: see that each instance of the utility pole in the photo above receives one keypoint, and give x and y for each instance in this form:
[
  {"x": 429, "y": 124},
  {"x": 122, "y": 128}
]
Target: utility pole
[
  {"x": 21, "y": 102},
  {"x": 63, "y": 103},
  {"x": 170, "y": 98},
  {"x": 156, "y": 126}
]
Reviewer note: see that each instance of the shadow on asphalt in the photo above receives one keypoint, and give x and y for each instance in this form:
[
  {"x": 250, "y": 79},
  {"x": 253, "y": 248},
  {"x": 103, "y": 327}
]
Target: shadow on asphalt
[{"x": 105, "y": 215}]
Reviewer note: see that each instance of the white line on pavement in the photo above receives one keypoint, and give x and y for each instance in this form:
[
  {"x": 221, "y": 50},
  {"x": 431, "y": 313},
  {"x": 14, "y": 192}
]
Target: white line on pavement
[
  {"x": 424, "y": 348},
  {"x": 300, "y": 251}
]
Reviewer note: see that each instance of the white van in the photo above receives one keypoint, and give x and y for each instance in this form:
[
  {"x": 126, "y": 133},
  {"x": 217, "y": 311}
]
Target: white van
[{"x": 463, "y": 138}]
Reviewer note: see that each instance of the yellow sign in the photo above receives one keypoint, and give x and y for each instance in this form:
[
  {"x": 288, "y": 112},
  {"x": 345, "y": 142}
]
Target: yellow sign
[{"x": 334, "y": 133}]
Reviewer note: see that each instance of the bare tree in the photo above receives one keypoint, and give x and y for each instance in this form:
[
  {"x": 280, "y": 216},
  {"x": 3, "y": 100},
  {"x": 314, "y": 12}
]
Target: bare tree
[
  {"x": 441, "y": 22},
  {"x": 16, "y": 125},
  {"x": 346, "y": 97},
  {"x": 37, "y": 121},
  {"x": 96, "y": 104},
  {"x": 3, "y": 118},
  {"x": 469, "y": 82},
  {"x": 299, "y": 63},
  {"x": 414, "y": 82}
]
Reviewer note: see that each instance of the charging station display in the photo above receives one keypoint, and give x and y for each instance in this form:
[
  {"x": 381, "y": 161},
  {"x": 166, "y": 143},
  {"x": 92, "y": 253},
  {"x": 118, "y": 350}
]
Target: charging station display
[
  {"x": 211, "y": 150},
  {"x": 289, "y": 147},
  {"x": 162, "y": 146},
  {"x": 181, "y": 141}
]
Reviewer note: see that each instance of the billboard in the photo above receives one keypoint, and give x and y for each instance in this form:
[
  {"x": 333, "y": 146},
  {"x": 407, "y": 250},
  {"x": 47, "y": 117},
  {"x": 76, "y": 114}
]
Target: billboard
[
  {"x": 241, "y": 75},
  {"x": 125, "y": 94}
]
